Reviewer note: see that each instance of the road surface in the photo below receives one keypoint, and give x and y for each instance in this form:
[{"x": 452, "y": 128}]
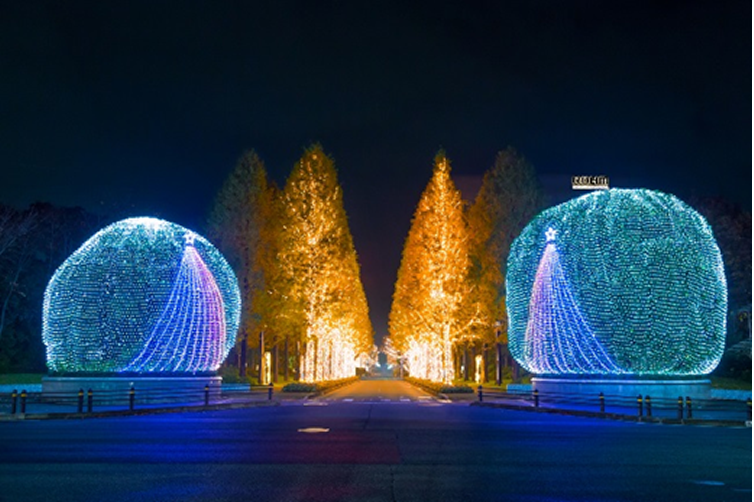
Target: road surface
[{"x": 370, "y": 451}]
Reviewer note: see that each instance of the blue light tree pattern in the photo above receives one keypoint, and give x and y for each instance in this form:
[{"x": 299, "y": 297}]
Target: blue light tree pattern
[
  {"x": 142, "y": 295},
  {"x": 192, "y": 325},
  {"x": 558, "y": 339},
  {"x": 634, "y": 274}
]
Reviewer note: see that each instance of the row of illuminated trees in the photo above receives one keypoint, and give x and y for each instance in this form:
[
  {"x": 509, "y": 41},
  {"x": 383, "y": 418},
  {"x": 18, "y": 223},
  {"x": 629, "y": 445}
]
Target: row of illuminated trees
[
  {"x": 448, "y": 313},
  {"x": 305, "y": 312}
]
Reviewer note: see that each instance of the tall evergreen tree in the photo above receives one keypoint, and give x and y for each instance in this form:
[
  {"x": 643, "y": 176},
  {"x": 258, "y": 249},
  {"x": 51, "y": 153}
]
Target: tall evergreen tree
[
  {"x": 510, "y": 196},
  {"x": 325, "y": 302},
  {"x": 429, "y": 313},
  {"x": 235, "y": 226}
]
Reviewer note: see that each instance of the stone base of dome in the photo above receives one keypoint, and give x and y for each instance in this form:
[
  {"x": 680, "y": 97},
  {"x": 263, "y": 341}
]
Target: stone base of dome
[
  {"x": 114, "y": 390},
  {"x": 700, "y": 388}
]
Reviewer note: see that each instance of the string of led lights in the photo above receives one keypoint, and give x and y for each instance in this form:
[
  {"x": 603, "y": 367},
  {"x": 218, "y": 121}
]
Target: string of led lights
[
  {"x": 142, "y": 295},
  {"x": 558, "y": 339},
  {"x": 633, "y": 285},
  {"x": 193, "y": 323}
]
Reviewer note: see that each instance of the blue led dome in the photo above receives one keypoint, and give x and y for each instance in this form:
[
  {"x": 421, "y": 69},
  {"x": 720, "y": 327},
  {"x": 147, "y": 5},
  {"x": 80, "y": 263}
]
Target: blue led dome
[
  {"x": 617, "y": 282},
  {"x": 142, "y": 295}
]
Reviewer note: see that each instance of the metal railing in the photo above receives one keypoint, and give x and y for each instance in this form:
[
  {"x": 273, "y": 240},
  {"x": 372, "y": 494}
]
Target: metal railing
[
  {"x": 662, "y": 408},
  {"x": 131, "y": 399}
]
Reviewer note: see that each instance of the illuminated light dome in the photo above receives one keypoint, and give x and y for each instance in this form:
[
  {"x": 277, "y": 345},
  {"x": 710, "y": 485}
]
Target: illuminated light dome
[
  {"x": 617, "y": 282},
  {"x": 141, "y": 296}
]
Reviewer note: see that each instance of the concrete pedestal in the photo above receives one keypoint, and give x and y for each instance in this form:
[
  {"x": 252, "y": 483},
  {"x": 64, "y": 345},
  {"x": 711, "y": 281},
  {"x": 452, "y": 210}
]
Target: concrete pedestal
[
  {"x": 665, "y": 389},
  {"x": 115, "y": 389}
]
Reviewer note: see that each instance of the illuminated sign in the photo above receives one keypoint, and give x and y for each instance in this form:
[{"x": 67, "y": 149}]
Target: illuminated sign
[{"x": 590, "y": 182}]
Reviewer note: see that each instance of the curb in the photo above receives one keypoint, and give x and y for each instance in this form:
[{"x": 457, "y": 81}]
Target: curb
[
  {"x": 618, "y": 416},
  {"x": 126, "y": 413}
]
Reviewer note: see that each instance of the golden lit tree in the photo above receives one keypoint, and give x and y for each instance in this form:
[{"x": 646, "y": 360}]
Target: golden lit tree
[
  {"x": 321, "y": 287},
  {"x": 510, "y": 196},
  {"x": 430, "y": 312},
  {"x": 269, "y": 305}
]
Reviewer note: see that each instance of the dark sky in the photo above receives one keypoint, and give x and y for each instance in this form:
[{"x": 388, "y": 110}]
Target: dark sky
[{"x": 144, "y": 107}]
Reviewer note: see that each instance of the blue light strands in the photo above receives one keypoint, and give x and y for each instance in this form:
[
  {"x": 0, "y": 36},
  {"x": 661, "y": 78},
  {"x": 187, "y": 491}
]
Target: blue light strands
[
  {"x": 144, "y": 296},
  {"x": 558, "y": 339},
  {"x": 628, "y": 282},
  {"x": 192, "y": 324}
]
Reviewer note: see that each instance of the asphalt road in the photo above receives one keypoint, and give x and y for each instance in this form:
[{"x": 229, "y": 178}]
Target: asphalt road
[{"x": 370, "y": 451}]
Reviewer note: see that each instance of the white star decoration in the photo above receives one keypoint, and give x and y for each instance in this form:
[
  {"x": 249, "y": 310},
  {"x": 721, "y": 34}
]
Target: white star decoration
[{"x": 550, "y": 234}]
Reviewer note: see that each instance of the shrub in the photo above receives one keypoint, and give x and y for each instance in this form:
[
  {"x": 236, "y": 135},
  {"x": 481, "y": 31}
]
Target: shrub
[
  {"x": 319, "y": 386},
  {"x": 439, "y": 388},
  {"x": 300, "y": 387}
]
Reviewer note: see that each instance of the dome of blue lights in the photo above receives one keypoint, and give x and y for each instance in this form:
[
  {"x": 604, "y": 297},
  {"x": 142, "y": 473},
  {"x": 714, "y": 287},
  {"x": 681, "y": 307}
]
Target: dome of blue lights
[
  {"x": 617, "y": 282},
  {"x": 141, "y": 296}
]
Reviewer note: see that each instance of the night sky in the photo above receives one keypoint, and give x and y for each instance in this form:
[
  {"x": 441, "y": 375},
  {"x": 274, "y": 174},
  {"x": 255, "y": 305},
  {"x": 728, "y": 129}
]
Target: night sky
[{"x": 143, "y": 108}]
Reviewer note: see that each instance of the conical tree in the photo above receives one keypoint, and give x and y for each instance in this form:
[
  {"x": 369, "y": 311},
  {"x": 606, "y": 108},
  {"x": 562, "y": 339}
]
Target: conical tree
[
  {"x": 269, "y": 305},
  {"x": 234, "y": 227},
  {"x": 428, "y": 313},
  {"x": 558, "y": 339},
  {"x": 325, "y": 303},
  {"x": 510, "y": 196}
]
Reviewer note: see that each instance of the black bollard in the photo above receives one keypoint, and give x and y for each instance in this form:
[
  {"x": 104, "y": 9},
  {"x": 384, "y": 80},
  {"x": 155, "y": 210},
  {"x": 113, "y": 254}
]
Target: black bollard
[
  {"x": 680, "y": 407},
  {"x": 81, "y": 400},
  {"x": 89, "y": 400},
  {"x": 602, "y": 402},
  {"x": 206, "y": 395},
  {"x": 640, "y": 404},
  {"x": 131, "y": 398},
  {"x": 23, "y": 401},
  {"x": 14, "y": 401},
  {"x": 269, "y": 392},
  {"x": 688, "y": 407},
  {"x": 649, "y": 405},
  {"x": 536, "y": 398},
  {"x": 479, "y": 393}
]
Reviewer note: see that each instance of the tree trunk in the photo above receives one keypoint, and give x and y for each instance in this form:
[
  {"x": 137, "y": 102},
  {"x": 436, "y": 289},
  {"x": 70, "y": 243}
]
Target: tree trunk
[
  {"x": 466, "y": 362},
  {"x": 287, "y": 360},
  {"x": 11, "y": 290},
  {"x": 472, "y": 362},
  {"x": 484, "y": 363},
  {"x": 252, "y": 355},
  {"x": 275, "y": 363},
  {"x": 314, "y": 362},
  {"x": 242, "y": 356},
  {"x": 499, "y": 364},
  {"x": 329, "y": 359},
  {"x": 262, "y": 365},
  {"x": 298, "y": 360}
]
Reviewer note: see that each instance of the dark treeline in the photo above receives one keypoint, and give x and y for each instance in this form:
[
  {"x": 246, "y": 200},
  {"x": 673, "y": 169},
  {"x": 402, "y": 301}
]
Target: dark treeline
[{"x": 33, "y": 243}]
